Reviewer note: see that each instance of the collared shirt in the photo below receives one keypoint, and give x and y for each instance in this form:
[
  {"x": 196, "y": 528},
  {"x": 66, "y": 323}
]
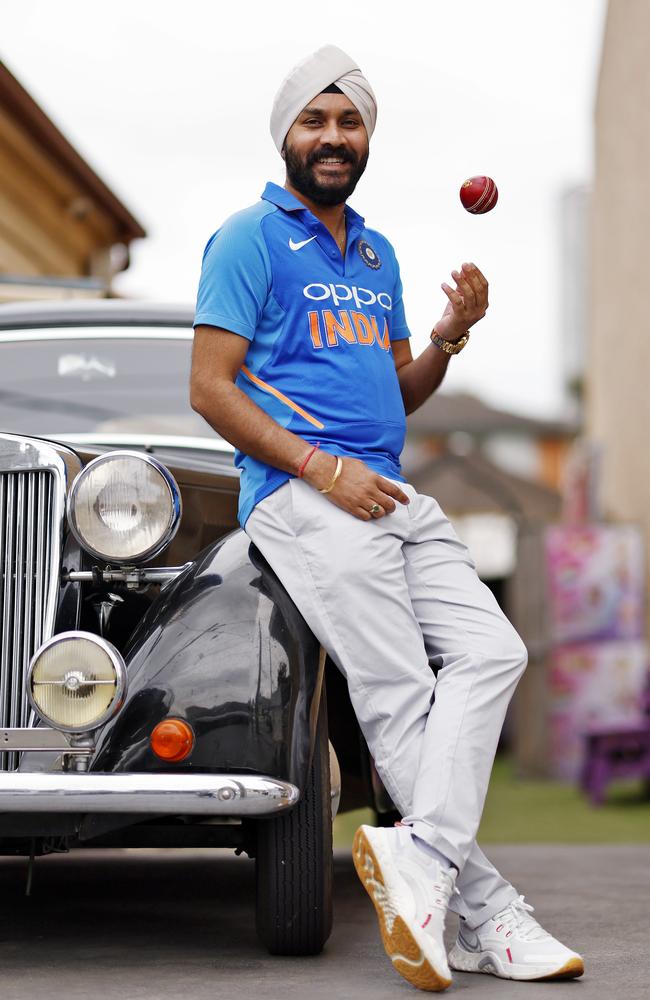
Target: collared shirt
[{"x": 320, "y": 326}]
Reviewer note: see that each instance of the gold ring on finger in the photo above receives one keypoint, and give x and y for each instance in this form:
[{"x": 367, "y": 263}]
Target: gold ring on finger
[{"x": 374, "y": 509}]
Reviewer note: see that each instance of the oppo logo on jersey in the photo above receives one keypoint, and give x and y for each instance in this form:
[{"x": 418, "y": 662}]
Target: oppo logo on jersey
[{"x": 343, "y": 293}]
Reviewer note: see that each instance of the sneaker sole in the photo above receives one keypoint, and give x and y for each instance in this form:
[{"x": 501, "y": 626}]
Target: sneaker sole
[
  {"x": 399, "y": 943},
  {"x": 469, "y": 961}
]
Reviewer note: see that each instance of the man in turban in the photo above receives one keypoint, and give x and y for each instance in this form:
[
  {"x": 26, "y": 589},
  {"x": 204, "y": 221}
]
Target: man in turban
[{"x": 302, "y": 360}]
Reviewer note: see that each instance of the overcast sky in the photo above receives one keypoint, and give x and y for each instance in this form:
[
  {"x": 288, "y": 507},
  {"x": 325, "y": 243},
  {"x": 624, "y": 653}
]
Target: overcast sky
[{"x": 169, "y": 102}]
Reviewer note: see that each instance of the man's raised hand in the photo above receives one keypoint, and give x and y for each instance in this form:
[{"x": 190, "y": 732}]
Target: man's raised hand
[{"x": 468, "y": 302}]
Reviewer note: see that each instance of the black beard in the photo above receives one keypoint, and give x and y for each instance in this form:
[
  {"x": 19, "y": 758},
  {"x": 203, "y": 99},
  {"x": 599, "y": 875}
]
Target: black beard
[{"x": 301, "y": 176}]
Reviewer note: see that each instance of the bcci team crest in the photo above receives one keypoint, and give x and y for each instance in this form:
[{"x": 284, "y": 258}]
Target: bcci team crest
[{"x": 368, "y": 255}]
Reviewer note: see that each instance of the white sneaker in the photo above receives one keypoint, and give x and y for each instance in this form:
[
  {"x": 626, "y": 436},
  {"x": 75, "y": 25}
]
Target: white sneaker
[
  {"x": 513, "y": 945},
  {"x": 410, "y": 892}
]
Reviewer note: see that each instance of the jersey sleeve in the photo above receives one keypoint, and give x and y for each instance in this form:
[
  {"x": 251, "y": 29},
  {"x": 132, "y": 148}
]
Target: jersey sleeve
[
  {"x": 399, "y": 327},
  {"x": 235, "y": 278}
]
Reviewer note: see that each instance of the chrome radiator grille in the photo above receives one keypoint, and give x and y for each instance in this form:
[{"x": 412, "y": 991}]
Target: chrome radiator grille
[
  {"x": 26, "y": 508},
  {"x": 33, "y": 480}
]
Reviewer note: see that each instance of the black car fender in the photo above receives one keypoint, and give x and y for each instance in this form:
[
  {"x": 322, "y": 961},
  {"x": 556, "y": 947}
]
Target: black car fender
[{"x": 225, "y": 649}]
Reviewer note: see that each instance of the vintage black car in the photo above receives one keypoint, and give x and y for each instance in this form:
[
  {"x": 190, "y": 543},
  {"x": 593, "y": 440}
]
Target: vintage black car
[{"x": 158, "y": 686}]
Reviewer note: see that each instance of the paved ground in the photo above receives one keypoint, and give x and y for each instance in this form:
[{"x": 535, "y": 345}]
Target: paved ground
[{"x": 145, "y": 925}]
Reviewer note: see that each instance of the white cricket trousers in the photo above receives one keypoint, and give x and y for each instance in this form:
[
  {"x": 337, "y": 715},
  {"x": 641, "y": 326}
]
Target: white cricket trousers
[{"x": 388, "y": 598}]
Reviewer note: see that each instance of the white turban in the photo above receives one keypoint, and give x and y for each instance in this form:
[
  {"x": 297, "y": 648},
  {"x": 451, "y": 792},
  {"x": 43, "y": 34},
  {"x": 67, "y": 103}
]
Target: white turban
[{"x": 309, "y": 78}]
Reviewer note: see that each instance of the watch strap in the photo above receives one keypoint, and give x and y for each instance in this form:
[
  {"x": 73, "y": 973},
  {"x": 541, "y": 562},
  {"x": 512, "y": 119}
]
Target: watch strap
[{"x": 449, "y": 346}]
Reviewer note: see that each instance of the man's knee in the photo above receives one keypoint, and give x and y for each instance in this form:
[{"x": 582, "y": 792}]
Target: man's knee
[
  {"x": 509, "y": 649},
  {"x": 517, "y": 654}
]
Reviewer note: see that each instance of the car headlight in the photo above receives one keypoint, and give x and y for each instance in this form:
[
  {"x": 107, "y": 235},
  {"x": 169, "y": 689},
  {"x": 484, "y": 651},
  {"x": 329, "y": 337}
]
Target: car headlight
[
  {"x": 124, "y": 507},
  {"x": 76, "y": 681}
]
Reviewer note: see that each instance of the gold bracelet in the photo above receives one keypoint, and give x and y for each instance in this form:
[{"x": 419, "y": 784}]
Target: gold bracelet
[{"x": 337, "y": 473}]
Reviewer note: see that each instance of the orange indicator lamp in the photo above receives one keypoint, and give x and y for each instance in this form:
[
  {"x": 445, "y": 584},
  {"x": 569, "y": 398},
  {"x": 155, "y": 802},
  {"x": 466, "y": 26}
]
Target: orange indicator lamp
[{"x": 172, "y": 740}]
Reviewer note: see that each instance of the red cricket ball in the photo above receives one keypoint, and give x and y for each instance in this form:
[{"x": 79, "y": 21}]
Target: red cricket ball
[{"x": 479, "y": 195}]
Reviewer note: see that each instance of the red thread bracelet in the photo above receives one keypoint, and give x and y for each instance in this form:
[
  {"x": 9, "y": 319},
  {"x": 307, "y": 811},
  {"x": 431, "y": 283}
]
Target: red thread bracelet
[{"x": 302, "y": 467}]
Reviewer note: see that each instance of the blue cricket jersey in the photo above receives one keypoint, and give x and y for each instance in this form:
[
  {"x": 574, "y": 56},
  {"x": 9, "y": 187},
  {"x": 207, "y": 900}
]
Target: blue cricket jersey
[{"x": 320, "y": 327}]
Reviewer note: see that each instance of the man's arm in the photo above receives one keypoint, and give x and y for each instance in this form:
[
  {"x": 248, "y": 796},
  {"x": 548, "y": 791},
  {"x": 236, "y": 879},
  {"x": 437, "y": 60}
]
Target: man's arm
[
  {"x": 468, "y": 303},
  {"x": 418, "y": 377},
  {"x": 217, "y": 357}
]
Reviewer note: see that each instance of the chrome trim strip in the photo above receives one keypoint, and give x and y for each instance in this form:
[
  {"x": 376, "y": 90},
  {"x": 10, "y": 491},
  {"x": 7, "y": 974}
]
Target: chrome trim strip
[
  {"x": 29, "y": 598},
  {"x": 121, "y": 440},
  {"x": 38, "y": 739},
  {"x": 17, "y": 691},
  {"x": 145, "y": 794},
  {"x": 41, "y": 558},
  {"x": 6, "y": 668},
  {"x": 96, "y": 333}
]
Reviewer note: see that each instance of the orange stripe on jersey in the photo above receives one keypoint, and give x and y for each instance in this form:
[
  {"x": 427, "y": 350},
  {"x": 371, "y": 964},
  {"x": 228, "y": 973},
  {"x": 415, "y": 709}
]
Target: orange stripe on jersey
[{"x": 281, "y": 396}]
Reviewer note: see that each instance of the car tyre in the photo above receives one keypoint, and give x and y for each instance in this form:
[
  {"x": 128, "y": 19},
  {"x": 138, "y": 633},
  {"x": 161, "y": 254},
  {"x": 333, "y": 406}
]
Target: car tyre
[{"x": 294, "y": 863}]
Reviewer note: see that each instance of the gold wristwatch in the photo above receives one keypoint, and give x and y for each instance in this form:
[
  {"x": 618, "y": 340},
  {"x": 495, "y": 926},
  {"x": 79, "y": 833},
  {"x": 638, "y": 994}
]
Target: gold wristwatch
[{"x": 449, "y": 346}]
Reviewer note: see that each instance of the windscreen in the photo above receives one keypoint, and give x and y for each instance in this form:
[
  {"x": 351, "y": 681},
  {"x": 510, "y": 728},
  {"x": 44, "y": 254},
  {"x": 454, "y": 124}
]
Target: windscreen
[{"x": 89, "y": 383}]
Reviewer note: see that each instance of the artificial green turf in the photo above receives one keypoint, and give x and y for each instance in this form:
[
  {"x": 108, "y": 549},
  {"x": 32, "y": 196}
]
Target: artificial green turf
[{"x": 524, "y": 811}]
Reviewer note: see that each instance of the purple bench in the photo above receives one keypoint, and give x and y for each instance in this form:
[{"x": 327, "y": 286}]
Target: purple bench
[{"x": 616, "y": 752}]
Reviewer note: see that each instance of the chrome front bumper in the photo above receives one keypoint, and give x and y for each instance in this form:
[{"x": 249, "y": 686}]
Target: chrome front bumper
[{"x": 145, "y": 794}]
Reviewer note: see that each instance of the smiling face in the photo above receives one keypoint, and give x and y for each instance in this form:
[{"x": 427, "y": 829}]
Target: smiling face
[{"x": 326, "y": 150}]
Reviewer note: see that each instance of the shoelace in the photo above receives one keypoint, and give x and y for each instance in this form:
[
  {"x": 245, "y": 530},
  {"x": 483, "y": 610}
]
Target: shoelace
[
  {"x": 516, "y": 917},
  {"x": 440, "y": 891}
]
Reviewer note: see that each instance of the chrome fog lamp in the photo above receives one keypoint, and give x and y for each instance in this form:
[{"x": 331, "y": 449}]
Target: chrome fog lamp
[
  {"x": 76, "y": 681},
  {"x": 124, "y": 507}
]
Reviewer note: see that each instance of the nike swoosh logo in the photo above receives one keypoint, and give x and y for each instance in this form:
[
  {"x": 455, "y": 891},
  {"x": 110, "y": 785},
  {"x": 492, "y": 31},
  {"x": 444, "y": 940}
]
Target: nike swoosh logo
[
  {"x": 299, "y": 246},
  {"x": 469, "y": 940}
]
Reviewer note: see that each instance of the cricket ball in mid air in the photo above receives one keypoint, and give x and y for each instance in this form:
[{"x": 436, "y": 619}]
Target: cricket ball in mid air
[{"x": 479, "y": 195}]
